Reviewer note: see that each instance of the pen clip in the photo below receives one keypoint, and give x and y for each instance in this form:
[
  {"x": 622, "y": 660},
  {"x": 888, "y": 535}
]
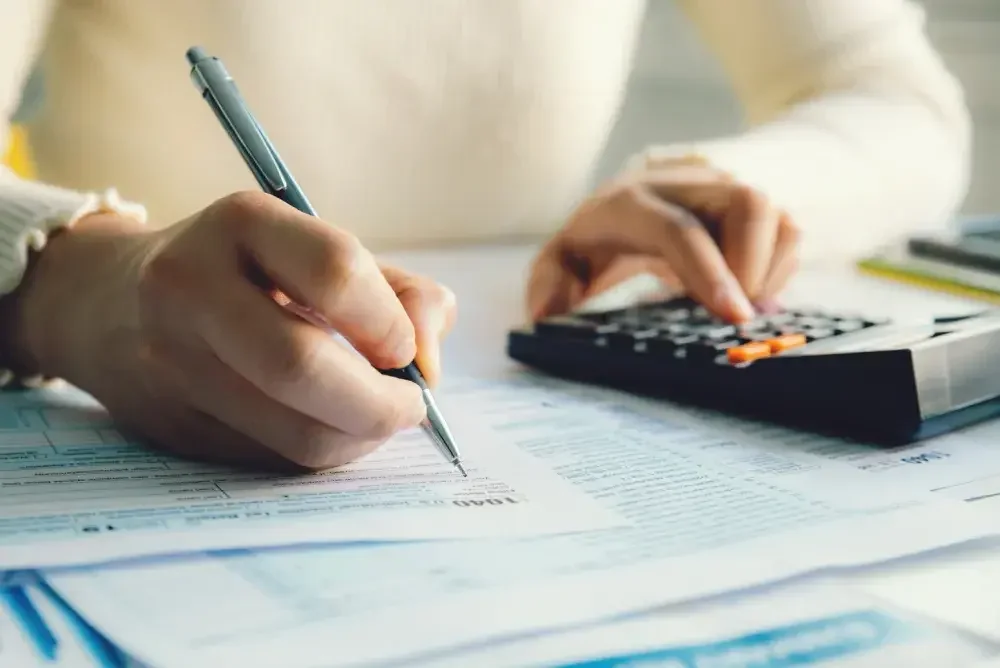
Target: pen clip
[
  {"x": 220, "y": 92},
  {"x": 256, "y": 150}
]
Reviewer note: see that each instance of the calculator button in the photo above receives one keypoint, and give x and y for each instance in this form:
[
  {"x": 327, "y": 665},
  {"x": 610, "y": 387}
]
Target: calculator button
[
  {"x": 718, "y": 347},
  {"x": 676, "y": 329},
  {"x": 615, "y": 335},
  {"x": 819, "y": 333},
  {"x": 748, "y": 352},
  {"x": 709, "y": 350},
  {"x": 813, "y": 323},
  {"x": 701, "y": 315},
  {"x": 675, "y": 315},
  {"x": 716, "y": 333},
  {"x": 845, "y": 326},
  {"x": 785, "y": 342},
  {"x": 627, "y": 318},
  {"x": 683, "y": 340},
  {"x": 778, "y": 319},
  {"x": 649, "y": 341},
  {"x": 764, "y": 335}
]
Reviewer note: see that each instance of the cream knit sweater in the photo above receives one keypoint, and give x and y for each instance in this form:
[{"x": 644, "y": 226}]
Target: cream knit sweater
[{"x": 416, "y": 122}]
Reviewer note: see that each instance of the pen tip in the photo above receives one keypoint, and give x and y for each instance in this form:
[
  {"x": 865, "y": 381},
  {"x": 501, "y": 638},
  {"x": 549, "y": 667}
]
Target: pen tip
[{"x": 461, "y": 469}]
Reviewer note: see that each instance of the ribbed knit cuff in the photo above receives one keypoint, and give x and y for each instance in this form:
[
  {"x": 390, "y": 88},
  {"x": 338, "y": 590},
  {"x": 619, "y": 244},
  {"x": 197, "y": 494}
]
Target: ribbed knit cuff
[{"x": 29, "y": 213}]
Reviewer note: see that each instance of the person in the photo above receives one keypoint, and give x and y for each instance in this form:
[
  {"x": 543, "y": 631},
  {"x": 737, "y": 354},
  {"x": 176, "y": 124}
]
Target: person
[{"x": 144, "y": 266}]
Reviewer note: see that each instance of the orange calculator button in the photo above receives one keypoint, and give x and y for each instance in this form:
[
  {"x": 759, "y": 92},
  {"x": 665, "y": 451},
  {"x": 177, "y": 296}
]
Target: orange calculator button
[
  {"x": 785, "y": 342},
  {"x": 748, "y": 352}
]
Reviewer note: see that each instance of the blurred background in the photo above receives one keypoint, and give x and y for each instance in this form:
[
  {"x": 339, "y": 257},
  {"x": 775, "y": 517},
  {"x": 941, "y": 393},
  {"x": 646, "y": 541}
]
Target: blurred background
[{"x": 677, "y": 93}]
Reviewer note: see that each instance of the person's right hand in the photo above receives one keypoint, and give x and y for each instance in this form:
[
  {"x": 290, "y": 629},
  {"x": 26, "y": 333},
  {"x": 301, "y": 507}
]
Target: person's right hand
[{"x": 180, "y": 335}]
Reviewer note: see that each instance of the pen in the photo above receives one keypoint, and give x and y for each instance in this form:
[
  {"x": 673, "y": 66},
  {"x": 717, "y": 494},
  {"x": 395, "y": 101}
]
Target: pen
[{"x": 219, "y": 90}]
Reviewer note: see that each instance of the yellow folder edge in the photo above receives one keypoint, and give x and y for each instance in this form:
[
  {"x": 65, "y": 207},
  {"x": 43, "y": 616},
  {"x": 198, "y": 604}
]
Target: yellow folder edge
[
  {"x": 17, "y": 157},
  {"x": 880, "y": 269}
]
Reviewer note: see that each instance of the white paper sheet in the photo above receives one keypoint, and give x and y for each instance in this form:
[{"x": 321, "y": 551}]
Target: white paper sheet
[
  {"x": 963, "y": 465},
  {"x": 711, "y": 515},
  {"x": 956, "y": 589},
  {"x": 72, "y": 491},
  {"x": 824, "y": 622}
]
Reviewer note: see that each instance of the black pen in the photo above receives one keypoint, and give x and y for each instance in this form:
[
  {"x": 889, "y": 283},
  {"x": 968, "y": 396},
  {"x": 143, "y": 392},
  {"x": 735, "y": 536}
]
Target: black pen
[{"x": 220, "y": 92}]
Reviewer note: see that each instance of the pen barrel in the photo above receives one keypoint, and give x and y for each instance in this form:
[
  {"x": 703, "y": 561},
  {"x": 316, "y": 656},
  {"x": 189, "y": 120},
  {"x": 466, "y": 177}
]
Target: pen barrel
[{"x": 409, "y": 372}]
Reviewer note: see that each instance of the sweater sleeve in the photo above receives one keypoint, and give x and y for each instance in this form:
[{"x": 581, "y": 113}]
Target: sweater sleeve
[
  {"x": 855, "y": 126},
  {"x": 29, "y": 211}
]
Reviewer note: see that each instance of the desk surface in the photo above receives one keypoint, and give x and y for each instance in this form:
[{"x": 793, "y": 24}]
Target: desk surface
[{"x": 957, "y": 588}]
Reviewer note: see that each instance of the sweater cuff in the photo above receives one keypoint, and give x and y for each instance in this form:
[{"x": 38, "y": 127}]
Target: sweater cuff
[{"x": 29, "y": 213}]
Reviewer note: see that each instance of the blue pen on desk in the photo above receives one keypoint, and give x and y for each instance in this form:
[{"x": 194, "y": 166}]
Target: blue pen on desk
[{"x": 221, "y": 94}]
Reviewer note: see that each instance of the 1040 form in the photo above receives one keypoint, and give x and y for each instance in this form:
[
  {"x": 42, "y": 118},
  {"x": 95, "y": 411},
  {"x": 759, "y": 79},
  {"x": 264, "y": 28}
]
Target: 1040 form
[{"x": 69, "y": 482}]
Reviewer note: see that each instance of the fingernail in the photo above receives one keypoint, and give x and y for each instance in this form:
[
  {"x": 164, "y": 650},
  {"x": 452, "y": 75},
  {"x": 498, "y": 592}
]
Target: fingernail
[
  {"x": 730, "y": 299},
  {"x": 430, "y": 367},
  {"x": 405, "y": 353},
  {"x": 768, "y": 306}
]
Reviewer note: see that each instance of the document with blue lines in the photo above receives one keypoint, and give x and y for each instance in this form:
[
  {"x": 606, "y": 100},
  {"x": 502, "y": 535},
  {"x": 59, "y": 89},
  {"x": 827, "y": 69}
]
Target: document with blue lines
[
  {"x": 74, "y": 491},
  {"x": 709, "y": 514}
]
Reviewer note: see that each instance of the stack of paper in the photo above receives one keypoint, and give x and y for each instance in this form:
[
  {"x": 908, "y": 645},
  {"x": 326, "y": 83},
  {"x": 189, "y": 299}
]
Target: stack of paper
[{"x": 583, "y": 505}]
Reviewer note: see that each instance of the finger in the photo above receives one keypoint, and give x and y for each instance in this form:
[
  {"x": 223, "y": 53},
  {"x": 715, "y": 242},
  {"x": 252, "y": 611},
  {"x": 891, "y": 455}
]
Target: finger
[
  {"x": 239, "y": 423},
  {"x": 432, "y": 309},
  {"x": 328, "y": 270},
  {"x": 628, "y": 220},
  {"x": 749, "y": 233},
  {"x": 701, "y": 189},
  {"x": 552, "y": 286},
  {"x": 626, "y": 267},
  {"x": 698, "y": 262},
  {"x": 193, "y": 435},
  {"x": 633, "y": 220},
  {"x": 785, "y": 260},
  {"x": 302, "y": 366},
  {"x": 778, "y": 281},
  {"x": 190, "y": 434}
]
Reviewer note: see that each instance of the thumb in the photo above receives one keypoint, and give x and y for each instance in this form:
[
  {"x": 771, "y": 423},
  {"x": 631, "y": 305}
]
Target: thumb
[{"x": 552, "y": 288}]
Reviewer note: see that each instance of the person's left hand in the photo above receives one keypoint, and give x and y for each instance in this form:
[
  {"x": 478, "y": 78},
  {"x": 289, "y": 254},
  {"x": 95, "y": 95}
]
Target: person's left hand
[{"x": 726, "y": 244}]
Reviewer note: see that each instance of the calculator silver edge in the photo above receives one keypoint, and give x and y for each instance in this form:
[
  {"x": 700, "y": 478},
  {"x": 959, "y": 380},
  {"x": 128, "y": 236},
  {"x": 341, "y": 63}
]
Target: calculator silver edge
[{"x": 958, "y": 369}]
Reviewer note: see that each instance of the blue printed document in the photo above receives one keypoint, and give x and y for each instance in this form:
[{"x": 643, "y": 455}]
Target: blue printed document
[
  {"x": 74, "y": 491},
  {"x": 822, "y": 624},
  {"x": 38, "y": 630},
  {"x": 708, "y": 513}
]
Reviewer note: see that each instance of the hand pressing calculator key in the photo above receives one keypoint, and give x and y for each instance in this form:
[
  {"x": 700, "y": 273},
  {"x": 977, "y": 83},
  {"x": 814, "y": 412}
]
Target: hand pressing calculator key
[{"x": 875, "y": 380}]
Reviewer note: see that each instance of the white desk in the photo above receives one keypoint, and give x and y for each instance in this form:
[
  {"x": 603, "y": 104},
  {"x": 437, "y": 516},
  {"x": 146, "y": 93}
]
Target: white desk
[{"x": 959, "y": 588}]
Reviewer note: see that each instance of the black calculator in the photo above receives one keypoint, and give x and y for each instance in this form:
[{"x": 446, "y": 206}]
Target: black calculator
[{"x": 880, "y": 381}]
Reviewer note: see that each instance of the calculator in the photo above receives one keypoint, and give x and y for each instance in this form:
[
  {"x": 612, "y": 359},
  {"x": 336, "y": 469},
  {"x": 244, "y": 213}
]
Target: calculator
[{"x": 876, "y": 380}]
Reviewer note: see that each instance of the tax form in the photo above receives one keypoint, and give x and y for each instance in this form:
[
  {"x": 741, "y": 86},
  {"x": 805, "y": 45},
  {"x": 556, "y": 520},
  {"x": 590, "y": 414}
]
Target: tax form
[
  {"x": 73, "y": 491},
  {"x": 708, "y": 514},
  {"x": 963, "y": 465}
]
